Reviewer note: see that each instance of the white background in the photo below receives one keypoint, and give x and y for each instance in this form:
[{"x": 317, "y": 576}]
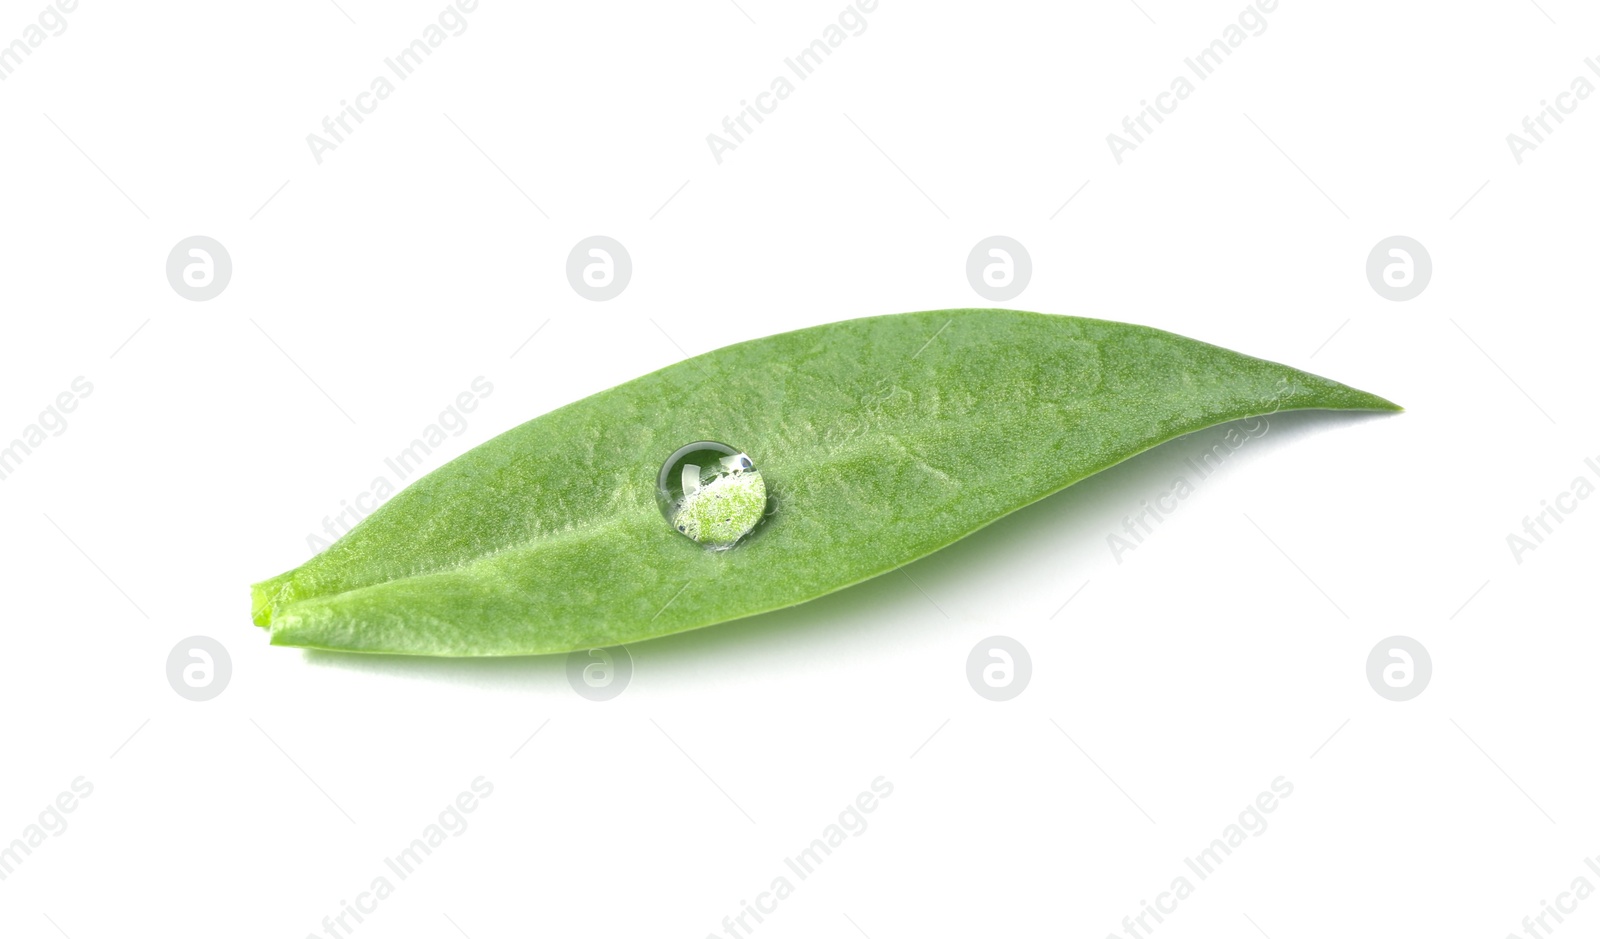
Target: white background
[{"x": 1225, "y": 652}]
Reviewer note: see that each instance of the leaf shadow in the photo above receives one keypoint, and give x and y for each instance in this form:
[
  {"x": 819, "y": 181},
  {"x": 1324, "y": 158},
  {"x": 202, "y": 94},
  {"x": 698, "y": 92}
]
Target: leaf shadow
[{"x": 1062, "y": 523}]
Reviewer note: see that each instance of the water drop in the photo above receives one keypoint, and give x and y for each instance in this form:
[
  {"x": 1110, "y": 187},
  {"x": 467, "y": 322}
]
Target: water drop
[{"x": 711, "y": 493}]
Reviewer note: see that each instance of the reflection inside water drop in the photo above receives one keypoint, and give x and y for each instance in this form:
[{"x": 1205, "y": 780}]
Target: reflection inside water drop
[{"x": 711, "y": 493}]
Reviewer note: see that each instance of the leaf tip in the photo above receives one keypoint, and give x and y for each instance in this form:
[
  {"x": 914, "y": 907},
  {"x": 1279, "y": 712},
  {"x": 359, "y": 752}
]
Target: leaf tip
[
  {"x": 1376, "y": 403},
  {"x": 265, "y": 598}
]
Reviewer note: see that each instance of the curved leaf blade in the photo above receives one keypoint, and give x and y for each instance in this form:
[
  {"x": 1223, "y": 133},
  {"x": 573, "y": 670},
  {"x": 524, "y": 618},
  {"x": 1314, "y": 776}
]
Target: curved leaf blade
[{"x": 882, "y": 440}]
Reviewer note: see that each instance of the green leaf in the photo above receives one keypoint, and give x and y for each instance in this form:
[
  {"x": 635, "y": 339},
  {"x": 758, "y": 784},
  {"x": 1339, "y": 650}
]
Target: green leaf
[{"x": 880, "y": 440}]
